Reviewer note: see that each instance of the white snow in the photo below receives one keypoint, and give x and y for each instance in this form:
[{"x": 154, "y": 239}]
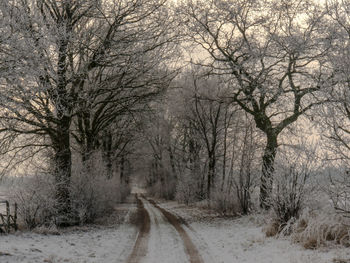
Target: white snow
[
  {"x": 94, "y": 245},
  {"x": 239, "y": 240},
  {"x": 165, "y": 244},
  {"x": 242, "y": 240},
  {"x": 218, "y": 240}
]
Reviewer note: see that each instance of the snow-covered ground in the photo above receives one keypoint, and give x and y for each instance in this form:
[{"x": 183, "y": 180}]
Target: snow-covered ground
[
  {"x": 164, "y": 241},
  {"x": 218, "y": 240},
  {"x": 242, "y": 240},
  {"x": 93, "y": 245},
  {"x": 111, "y": 242}
]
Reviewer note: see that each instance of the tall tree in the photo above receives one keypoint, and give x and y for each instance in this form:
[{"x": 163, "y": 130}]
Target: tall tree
[
  {"x": 208, "y": 116},
  {"x": 52, "y": 50},
  {"x": 272, "y": 54},
  {"x": 335, "y": 116}
]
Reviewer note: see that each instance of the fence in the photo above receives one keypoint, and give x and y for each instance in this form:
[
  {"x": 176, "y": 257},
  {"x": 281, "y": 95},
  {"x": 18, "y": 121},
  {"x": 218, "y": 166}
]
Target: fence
[{"x": 8, "y": 221}]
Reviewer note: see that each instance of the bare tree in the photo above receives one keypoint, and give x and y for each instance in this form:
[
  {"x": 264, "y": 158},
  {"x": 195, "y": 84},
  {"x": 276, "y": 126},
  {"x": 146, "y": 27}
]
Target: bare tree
[
  {"x": 272, "y": 54},
  {"x": 51, "y": 52},
  {"x": 208, "y": 116},
  {"x": 335, "y": 116},
  {"x": 244, "y": 180}
]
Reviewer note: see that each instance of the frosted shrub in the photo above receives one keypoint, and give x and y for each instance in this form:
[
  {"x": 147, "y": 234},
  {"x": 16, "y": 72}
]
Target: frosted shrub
[
  {"x": 93, "y": 193},
  {"x": 315, "y": 230},
  {"x": 164, "y": 188},
  {"x": 288, "y": 197},
  {"x": 36, "y": 201},
  {"x": 93, "y": 196},
  {"x": 225, "y": 202},
  {"x": 187, "y": 189},
  {"x": 339, "y": 192},
  {"x": 244, "y": 183}
]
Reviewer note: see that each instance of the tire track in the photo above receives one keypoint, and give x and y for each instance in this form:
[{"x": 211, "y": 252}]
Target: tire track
[
  {"x": 190, "y": 248},
  {"x": 141, "y": 244}
]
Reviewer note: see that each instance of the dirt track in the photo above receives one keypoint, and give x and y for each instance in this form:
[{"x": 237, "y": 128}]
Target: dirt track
[
  {"x": 144, "y": 223},
  {"x": 151, "y": 216}
]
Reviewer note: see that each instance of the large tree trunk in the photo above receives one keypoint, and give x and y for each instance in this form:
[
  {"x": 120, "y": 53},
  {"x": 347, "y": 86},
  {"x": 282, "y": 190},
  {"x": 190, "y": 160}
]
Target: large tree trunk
[
  {"x": 63, "y": 170},
  {"x": 63, "y": 159},
  {"x": 267, "y": 170}
]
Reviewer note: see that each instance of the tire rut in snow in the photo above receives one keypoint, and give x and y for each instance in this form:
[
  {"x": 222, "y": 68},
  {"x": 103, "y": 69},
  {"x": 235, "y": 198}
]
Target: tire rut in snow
[
  {"x": 191, "y": 249},
  {"x": 143, "y": 220}
]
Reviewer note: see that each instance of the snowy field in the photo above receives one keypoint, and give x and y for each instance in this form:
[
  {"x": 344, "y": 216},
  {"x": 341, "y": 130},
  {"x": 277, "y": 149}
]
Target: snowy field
[
  {"x": 94, "y": 245},
  {"x": 242, "y": 240},
  {"x": 218, "y": 240},
  {"x": 85, "y": 244}
]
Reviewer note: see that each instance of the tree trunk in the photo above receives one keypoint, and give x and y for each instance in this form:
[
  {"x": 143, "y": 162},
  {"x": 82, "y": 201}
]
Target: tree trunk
[
  {"x": 267, "y": 170},
  {"x": 211, "y": 174},
  {"x": 107, "y": 153},
  {"x": 63, "y": 159},
  {"x": 224, "y": 154},
  {"x": 122, "y": 169},
  {"x": 87, "y": 149},
  {"x": 63, "y": 169},
  {"x": 172, "y": 163}
]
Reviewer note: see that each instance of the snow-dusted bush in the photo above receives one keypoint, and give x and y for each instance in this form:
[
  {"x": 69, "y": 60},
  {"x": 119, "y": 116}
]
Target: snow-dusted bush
[
  {"x": 313, "y": 230},
  {"x": 225, "y": 202},
  {"x": 272, "y": 228},
  {"x": 164, "y": 187},
  {"x": 93, "y": 192},
  {"x": 187, "y": 188},
  {"x": 35, "y": 196},
  {"x": 339, "y": 191},
  {"x": 288, "y": 198},
  {"x": 291, "y": 184},
  {"x": 244, "y": 183},
  {"x": 93, "y": 196}
]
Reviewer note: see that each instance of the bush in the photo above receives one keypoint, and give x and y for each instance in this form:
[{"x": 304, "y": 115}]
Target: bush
[
  {"x": 288, "y": 197},
  {"x": 94, "y": 196},
  {"x": 165, "y": 188},
  {"x": 272, "y": 228},
  {"x": 315, "y": 230},
  {"x": 93, "y": 193},
  {"x": 35, "y": 198},
  {"x": 225, "y": 203},
  {"x": 339, "y": 191},
  {"x": 187, "y": 188}
]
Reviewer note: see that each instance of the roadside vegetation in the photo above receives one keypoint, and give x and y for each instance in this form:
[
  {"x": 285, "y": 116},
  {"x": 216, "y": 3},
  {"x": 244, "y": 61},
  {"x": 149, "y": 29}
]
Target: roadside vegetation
[{"x": 242, "y": 107}]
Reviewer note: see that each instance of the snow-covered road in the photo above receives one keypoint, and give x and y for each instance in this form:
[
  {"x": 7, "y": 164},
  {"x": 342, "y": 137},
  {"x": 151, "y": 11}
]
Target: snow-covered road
[
  {"x": 204, "y": 238},
  {"x": 166, "y": 240}
]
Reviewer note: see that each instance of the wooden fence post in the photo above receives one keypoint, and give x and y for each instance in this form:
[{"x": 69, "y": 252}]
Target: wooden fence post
[
  {"x": 8, "y": 227},
  {"x": 15, "y": 218},
  {"x": 8, "y": 221}
]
